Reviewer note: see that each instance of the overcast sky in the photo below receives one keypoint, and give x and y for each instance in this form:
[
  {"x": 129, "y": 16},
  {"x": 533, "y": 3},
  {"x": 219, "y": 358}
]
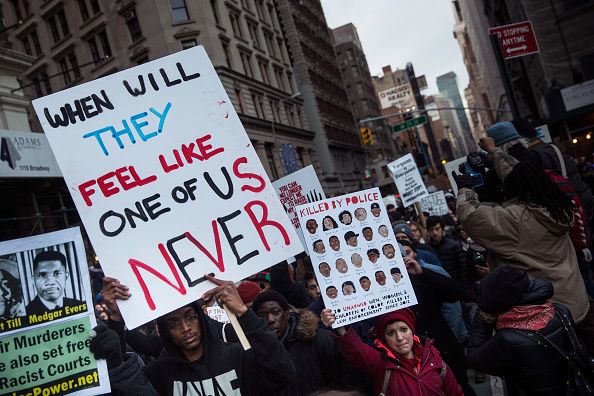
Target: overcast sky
[{"x": 394, "y": 32}]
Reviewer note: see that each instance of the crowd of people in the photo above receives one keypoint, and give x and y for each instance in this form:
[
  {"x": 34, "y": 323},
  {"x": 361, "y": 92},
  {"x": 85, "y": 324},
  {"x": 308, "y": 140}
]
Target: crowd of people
[{"x": 503, "y": 283}]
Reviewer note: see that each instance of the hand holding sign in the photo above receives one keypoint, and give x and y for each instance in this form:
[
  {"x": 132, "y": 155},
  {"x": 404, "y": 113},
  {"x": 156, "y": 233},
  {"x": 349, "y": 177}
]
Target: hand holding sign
[{"x": 112, "y": 291}]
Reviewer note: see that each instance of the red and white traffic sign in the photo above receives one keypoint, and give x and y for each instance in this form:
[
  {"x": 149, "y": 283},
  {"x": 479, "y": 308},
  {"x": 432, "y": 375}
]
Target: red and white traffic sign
[{"x": 517, "y": 39}]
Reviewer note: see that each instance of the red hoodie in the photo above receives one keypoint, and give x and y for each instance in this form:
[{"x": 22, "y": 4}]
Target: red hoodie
[{"x": 403, "y": 380}]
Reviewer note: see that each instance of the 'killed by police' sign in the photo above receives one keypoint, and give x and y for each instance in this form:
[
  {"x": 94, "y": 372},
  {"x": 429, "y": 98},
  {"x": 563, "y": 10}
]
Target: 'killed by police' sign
[{"x": 166, "y": 181}]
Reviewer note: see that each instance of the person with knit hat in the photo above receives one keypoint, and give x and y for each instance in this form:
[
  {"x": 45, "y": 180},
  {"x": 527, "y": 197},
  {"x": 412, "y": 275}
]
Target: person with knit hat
[
  {"x": 400, "y": 362},
  {"x": 520, "y": 311},
  {"x": 317, "y": 359},
  {"x": 248, "y": 291}
]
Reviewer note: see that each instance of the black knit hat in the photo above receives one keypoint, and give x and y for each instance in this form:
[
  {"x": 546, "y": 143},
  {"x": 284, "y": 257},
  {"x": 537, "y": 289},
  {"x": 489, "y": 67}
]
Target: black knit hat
[
  {"x": 270, "y": 295},
  {"x": 502, "y": 289}
]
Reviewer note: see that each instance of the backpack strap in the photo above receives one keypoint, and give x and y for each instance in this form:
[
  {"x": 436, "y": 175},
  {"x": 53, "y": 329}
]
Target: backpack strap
[
  {"x": 386, "y": 382},
  {"x": 561, "y": 160}
]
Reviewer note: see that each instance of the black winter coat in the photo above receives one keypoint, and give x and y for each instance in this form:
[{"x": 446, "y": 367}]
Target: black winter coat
[
  {"x": 318, "y": 361},
  {"x": 453, "y": 259},
  {"x": 528, "y": 368}
]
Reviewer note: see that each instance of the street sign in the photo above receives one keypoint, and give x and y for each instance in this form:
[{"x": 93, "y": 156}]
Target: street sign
[
  {"x": 409, "y": 124},
  {"x": 517, "y": 39}
]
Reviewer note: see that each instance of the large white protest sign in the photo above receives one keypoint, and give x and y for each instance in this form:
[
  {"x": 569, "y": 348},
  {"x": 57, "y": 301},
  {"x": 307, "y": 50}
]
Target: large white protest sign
[
  {"x": 298, "y": 188},
  {"x": 408, "y": 180},
  {"x": 355, "y": 256},
  {"x": 46, "y": 313},
  {"x": 166, "y": 181},
  {"x": 435, "y": 204},
  {"x": 454, "y": 166}
]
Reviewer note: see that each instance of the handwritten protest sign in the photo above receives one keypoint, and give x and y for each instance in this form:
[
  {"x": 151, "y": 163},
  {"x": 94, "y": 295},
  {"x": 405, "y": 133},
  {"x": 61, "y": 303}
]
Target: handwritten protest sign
[
  {"x": 218, "y": 314},
  {"x": 46, "y": 313},
  {"x": 408, "y": 180},
  {"x": 435, "y": 204},
  {"x": 298, "y": 188},
  {"x": 166, "y": 181},
  {"x": 355, "y": 256},
  {"x": 453, "y": 166}
]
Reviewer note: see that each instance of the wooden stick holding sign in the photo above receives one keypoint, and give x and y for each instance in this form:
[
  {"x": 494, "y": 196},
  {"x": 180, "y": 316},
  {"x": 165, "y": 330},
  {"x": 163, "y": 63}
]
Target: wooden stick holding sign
[{"x": 228, "y": 297}]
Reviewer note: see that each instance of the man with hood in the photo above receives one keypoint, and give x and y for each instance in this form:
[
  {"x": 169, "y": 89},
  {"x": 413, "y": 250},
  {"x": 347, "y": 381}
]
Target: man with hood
[
  {"x": 196, "y": 360},
  {"x": 317, "y": 359},
  {"x": 529, "y": 231}
]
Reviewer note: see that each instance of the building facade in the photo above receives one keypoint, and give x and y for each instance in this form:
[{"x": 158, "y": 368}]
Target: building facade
[
  {"x": 77, "y": 41},
  {"x": 365, "y": 103},
  {"x": 323, "y": 91}
]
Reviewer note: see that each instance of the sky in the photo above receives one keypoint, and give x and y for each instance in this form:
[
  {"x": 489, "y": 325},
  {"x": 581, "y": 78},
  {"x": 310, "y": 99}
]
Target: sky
[{"x": 394, "y": 32}]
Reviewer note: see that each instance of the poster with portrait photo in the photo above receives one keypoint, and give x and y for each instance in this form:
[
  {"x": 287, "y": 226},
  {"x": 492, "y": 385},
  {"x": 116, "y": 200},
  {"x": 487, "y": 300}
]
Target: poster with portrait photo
[
  {"x": 45, "y": 279},
  {"x": 355, "y": 256},
  {"x": 46, "y": 314}
]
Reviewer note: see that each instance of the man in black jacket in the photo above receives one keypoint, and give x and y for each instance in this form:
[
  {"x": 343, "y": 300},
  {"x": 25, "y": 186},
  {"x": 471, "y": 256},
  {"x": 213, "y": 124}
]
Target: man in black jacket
[
  {"x": 317, "y": 359},
  {"x": 450, "y": 254},
  {"x": 196, "y": 361}
]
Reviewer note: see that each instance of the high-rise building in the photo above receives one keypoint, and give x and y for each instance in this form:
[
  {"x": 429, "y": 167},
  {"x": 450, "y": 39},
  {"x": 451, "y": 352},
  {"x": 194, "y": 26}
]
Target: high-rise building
[
  {"x": 485, "y": 82},
  {"x": 364, "y": 102},
  {"x": 77, "y": 41},
  {"x": 448, "y": 85},
  {"x": 322, "y": 88}
]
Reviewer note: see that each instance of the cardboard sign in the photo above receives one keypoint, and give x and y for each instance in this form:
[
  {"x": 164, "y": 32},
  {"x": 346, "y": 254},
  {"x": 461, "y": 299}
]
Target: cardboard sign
[
  {"x": 298, "y": 188},
  {"x": 355, "y": 256},
  {"x": 46, "y": 313},
  {"x": 166, "y": 181},
  {"x": 435, "y": 204},
  {"x": 453, "y": 166},
  {"x": 408, "y": 180},
  {"x": 218, "y": 314},
  {"x": 26, "y": 154},
  {"x": 543, "y": 133}
]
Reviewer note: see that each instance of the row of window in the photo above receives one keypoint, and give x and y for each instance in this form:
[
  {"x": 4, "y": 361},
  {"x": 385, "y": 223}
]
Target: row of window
[{"x": 292, "y": 114}]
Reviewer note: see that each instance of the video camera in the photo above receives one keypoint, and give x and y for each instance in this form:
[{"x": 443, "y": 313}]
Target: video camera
[{"x": 476, "y": 165}]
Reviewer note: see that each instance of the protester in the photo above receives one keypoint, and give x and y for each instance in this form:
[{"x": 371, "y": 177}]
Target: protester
[
  {"x": 519, "y": 309},
  {"x": 400, "y": 363},
  {"x": 317, "y": 360},
  {"x": 196, "y": 358},
  {"x": 403, "y": 232},
  {"x": 450, "y": 254},
  {"x": 248, "y": 291},
  {"x": 529, "y": 231},
  {"x": 551, "y": 158},
  {"x": 418, "y": 231},
  {"x": 299, "y": 296}
]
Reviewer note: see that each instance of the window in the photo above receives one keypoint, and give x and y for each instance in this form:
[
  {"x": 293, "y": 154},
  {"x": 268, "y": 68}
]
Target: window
[
  {"x": 235, "y": 23},
  {"x": 270, "y": 44},
  {"x": 350, "y": 54},
  {"x": 239, "y": 100},
  {"x": 84, "y": 8},
  {"x": 253, "y": 29},
  {"x": 143, "y": 59},
  {"x": 215, "y": 11},
  {"x": 270, "y": 160},
  {"x": 278, "y": 74},
  {"x": 290, "y": 114},
  {"x": 355, "y": 70},
  {"x": 179, "y": 10},
  {"x": 42, "y": 84},
  {"x": 227, "y": 54},
  {"x": 21, "y": 9},
  {"x": 69, "y": 68},
  {"x": 31, "y": 44},
  {"x": 271, "y": 15},
  {"x": 259, "y": 106},
  {"x": 264, "y": 72},
  {"x": 359, "y": 87},
  {"x": 246, "y": 4},
  {"x": 246, "y": 61},
  {"x": 274, "y": 108},
  {"x": 365, "y": 104},
  {"x": 290, "y": 80},
  {"x": 99, "y": 46},
  {"x": 280, "y": 49},
  {"x": 189, "y": 43},
  {"x": 58, "y": 25},
  {"x": 133, "y": 24},
  {"x": 259, "y": 10}
]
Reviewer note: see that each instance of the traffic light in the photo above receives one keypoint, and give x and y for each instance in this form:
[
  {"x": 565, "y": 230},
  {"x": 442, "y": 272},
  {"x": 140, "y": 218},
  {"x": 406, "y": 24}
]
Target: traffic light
[{"x": 366, "y": 137}]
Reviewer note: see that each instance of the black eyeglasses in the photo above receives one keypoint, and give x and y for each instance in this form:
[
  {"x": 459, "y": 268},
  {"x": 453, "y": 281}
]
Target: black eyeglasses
[{"x": 176, "y": 324}]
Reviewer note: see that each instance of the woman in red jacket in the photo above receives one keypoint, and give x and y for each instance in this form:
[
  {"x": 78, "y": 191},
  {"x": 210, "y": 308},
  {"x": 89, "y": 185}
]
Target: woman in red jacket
[{"x": 400, "y": 363}]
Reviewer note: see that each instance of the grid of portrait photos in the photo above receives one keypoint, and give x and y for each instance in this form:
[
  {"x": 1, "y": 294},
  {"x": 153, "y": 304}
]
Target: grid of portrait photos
[{"x": 355, "y": 256}]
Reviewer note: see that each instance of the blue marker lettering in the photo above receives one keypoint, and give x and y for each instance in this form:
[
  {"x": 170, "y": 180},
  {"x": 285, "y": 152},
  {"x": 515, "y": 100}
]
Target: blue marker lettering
[
  {"x": 161, "y": 116},
  {"x": 97, "y": 135}
]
